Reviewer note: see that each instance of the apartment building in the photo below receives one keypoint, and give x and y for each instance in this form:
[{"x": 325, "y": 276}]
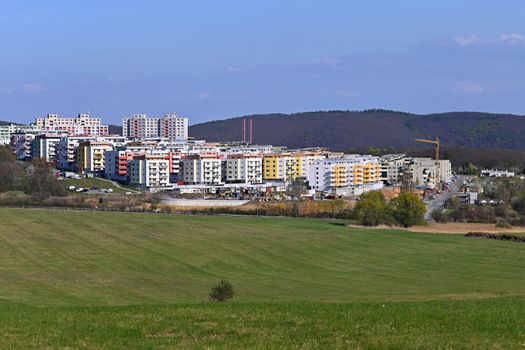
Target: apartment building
[
  {"x": 175, "y": 160},
  {"x": 170, "y": 126},
  {"x": 392, "y": 168},
  {"x": 91, "y": 155},
  {"x": 288, "y": 166},
  {"x": 243, "y": 168},
  {"x": 6, "y": 131},
  {"x": 22, "y": 145},
  {"x": 173, "y": 128},
  {"x": 84, "y": 124},
  {"x": 365, "y": 173},
  {"x": 423, "y": 173},
  {"x": 279, "y": 167},
  {"x": 67, "y": 151},
  {"x": 202, "y": 169},
  {"x": 45, "y": 147},
  {"x": 116, "y": 164},
  {"x": 140, "y": 127},
  {"x": 149, "y": 172},
  {"x": 351, "y": 175},
  {"x": 303, "y": 163}
]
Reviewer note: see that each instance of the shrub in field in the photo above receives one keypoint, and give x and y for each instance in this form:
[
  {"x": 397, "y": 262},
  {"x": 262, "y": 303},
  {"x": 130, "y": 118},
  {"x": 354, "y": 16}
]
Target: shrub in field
[
  {"x": 407, "y": 209},
  {"x": 371, "y": 210},
  {"x": 222, "y": 291},
  {"x": 438, "y": 215},
  {"x": 503, "y": 223}
]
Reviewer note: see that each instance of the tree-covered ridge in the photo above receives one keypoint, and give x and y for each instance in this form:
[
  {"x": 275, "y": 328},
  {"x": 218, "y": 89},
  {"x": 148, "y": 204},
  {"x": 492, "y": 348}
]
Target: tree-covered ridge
[{"x": 341, "y": 130}]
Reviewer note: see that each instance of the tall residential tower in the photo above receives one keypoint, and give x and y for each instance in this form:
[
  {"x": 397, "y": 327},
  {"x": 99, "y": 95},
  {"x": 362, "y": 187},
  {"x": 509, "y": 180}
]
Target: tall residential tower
[{"x": 170, "y": 126}]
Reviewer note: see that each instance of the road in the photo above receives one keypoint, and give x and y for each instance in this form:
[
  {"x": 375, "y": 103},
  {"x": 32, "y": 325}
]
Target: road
[{"x": 441, "y": 198}]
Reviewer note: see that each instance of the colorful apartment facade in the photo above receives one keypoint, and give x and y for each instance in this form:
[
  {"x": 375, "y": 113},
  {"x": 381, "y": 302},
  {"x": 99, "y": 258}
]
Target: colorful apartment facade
[
  {"x": 288, "y": 166},
  {"x": 91, "y": 155},
  {"x": 349, "y": 175}
]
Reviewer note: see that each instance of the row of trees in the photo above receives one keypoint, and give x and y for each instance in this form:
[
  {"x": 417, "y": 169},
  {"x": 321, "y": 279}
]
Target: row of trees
[
  {"x": 35, "y": 178},
  {"x": 405, "y": 210}
]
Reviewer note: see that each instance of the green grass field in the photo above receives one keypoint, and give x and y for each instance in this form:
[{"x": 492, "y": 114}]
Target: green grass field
[{"x": 123, "y": 280}]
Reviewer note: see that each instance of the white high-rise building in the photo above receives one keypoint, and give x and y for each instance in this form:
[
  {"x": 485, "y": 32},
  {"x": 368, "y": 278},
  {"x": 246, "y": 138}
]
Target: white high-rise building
[
  {"x": 45, "y": 147},
  {"x": 351, "y": 175},
  {"x": 140, "y": 127},
  {"x": 242, "y": 168},
  {"x": 6, "y": 131},
  {"x": 149, "y": 172},
  {"x": 173, "y": 127},
  {"x": 202, "y": 169},
  {"x": 84, "y": 124}
]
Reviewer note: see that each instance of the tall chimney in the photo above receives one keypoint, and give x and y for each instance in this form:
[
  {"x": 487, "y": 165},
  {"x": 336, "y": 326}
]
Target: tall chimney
[
  {"x": 251, "y": 131},
  {"x": 244, "y": 130}
]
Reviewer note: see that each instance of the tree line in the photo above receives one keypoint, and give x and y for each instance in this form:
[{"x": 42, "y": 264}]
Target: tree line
[
  {"x": 405, "y": 210},
  {"x": 34, "y": 178}
]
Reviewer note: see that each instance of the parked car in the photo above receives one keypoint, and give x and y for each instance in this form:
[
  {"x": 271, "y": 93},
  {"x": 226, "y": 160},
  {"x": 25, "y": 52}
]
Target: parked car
[{"x": 72, "y": 188}]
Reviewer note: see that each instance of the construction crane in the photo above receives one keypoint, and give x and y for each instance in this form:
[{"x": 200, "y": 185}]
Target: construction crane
[{"x": 438, "y": 167}]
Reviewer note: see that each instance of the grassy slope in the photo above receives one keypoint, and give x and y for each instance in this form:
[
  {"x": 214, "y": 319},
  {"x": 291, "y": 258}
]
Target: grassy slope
[
  {"x": 118, "y": 258},
  {"x": 92, "y": 182},
  {"x": 115, "y": 279}
]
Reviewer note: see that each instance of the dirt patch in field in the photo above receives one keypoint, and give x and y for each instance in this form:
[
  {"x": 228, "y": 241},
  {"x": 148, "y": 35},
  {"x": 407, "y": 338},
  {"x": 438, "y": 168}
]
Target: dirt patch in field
[
  {"x": 453, "y": 227},
  {"x": 462, "y": 227}
]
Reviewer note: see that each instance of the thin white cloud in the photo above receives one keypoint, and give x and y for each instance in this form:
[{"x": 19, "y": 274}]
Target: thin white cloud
[
  {"x": 202, "y": 95},
  {"x": 326, "y": 61},
  {"x": 473, "y": 40},
  {"x": 464, "y": 41},
  {"x": 512, "y": 38},
  {"x": 466, "y": 87},
  {"x": 33, "y": 87}
]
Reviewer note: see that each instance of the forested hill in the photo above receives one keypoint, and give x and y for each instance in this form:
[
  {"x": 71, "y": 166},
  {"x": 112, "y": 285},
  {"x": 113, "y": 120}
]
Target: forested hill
[{"x": 342, "y": 130}]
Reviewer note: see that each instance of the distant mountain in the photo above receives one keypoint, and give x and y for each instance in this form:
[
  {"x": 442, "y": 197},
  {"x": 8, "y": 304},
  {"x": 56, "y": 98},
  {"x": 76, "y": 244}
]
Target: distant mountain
[
  {"x": 115, "y": 129},
  {"x": 343, "y": 130}
]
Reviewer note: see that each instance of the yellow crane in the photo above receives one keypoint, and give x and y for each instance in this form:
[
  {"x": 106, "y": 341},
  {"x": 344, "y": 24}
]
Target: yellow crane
[{"x": 438, "y": 167}]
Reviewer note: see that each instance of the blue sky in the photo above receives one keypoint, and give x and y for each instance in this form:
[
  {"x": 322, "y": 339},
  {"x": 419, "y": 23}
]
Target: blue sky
[{"x": 212, "y": 59}]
